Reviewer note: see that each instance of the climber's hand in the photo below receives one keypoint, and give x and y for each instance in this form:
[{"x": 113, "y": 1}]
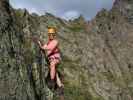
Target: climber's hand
[{"x": 39, "y": 43}]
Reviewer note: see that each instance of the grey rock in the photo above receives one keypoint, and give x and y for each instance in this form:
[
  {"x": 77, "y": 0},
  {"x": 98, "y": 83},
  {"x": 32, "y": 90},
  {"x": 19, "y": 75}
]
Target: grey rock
[{"x": 97, "y": 55}]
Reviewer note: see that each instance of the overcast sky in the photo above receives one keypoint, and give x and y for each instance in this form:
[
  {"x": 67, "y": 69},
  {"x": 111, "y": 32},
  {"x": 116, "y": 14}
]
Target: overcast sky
[{"x": 67, "y": 9}]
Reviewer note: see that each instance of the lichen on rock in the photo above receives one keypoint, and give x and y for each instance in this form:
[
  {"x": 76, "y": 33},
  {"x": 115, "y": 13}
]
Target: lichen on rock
[{"x": 96, "y": 61}]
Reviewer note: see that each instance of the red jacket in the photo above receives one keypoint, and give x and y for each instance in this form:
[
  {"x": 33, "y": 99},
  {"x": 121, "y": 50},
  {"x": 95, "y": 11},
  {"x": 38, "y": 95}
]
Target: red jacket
[{"x": 52, "y": 49}]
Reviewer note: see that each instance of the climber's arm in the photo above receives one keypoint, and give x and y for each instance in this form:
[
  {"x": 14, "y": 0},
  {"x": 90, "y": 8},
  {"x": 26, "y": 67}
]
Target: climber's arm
[{"x": 44, "y": 46}]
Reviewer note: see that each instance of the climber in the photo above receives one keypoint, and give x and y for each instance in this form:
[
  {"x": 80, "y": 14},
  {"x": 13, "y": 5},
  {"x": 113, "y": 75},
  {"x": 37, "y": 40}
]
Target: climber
[{"x": 53, "y": 55}]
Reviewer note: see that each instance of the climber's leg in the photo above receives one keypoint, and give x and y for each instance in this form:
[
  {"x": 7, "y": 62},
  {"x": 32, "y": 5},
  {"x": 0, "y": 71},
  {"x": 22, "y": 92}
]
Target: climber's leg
[
  {"x": 52, "y": 70},
  {"x": 61, "y": 87},
  {"x": 58, "y": 81},
  {"x": 53, "y": 64}
]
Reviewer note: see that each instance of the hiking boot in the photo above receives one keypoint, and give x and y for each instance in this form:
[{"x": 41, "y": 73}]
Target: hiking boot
[
  {"x": 61, "y": 97},
  {"x": 61, "y": 91}
]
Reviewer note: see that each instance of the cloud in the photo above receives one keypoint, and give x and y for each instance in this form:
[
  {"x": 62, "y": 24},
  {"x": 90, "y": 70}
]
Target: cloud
[
  {"x": 70, "y": 15},
  {"x": 64, "y": 8}
]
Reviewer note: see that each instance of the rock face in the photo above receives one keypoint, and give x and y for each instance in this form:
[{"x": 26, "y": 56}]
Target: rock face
[
  {"x": 20, "y": 60},
  {"x": 97, "y": 55}
]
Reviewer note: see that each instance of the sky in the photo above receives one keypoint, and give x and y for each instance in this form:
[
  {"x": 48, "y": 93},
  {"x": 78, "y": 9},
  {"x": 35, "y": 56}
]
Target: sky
[{"x": 67, "y": 9}]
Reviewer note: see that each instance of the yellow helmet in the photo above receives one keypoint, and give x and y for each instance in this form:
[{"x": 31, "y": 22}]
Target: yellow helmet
[{"x": 52, "y": 30}]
